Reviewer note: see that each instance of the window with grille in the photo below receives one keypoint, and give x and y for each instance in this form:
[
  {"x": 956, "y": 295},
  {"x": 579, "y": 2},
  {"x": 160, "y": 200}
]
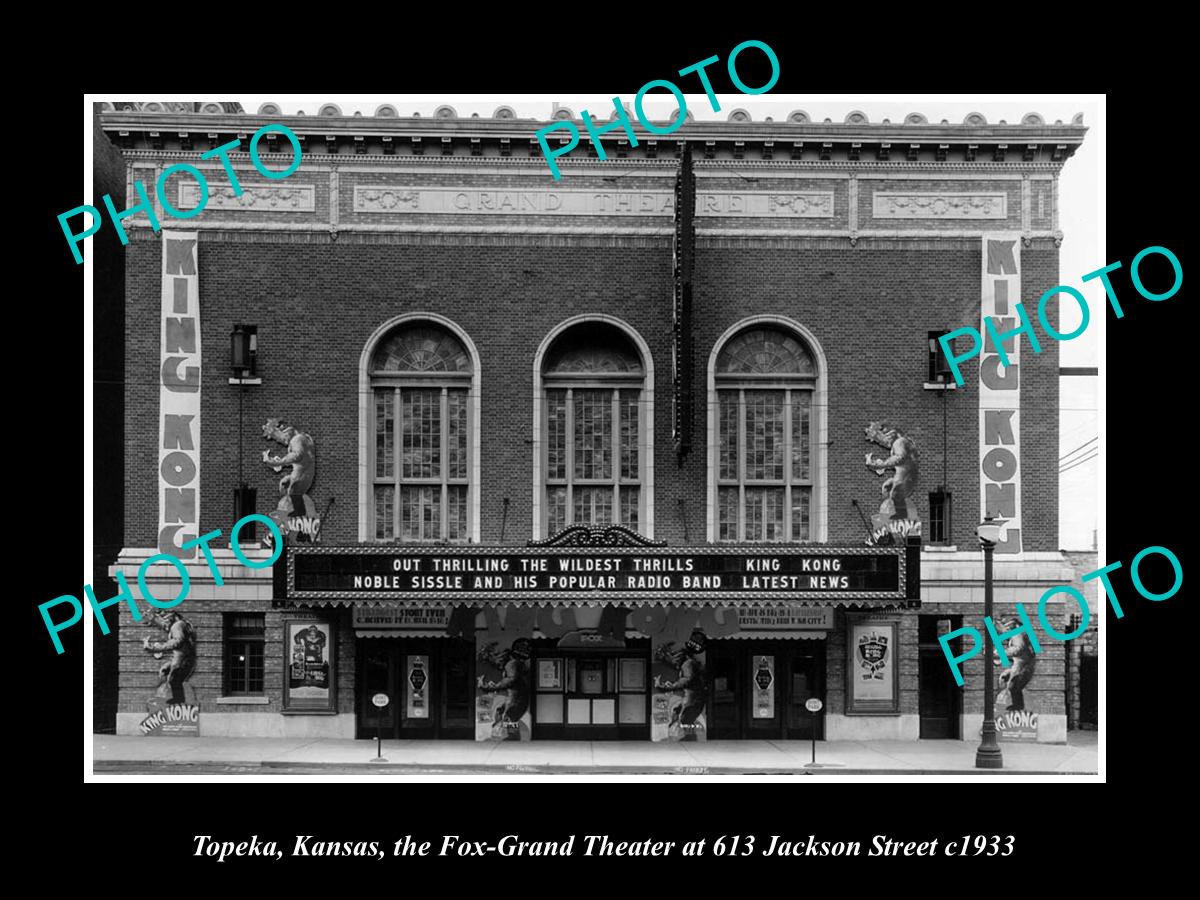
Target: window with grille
[
  {"x": 593, "y": 413},
  {"x": 244, "y": 640},
  {"x": 765, "y": 379},
  {"x": 421, "y": 386}
]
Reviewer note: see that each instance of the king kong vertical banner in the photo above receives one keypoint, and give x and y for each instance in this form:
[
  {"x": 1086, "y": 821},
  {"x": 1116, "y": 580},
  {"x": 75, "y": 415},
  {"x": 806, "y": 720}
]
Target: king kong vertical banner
[
  {"x": 179, "y": 397},
  {"x": 1000, "y": 392}
]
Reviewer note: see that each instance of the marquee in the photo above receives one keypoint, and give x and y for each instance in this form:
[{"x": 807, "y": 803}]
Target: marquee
[{"x": 689, "y": 576}]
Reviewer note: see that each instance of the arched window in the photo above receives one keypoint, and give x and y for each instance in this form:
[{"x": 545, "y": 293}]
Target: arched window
[
  {"x": 594, "y": 448},
  {"x": 764, "y": 379},
  {"x": 422, "y": 435}
]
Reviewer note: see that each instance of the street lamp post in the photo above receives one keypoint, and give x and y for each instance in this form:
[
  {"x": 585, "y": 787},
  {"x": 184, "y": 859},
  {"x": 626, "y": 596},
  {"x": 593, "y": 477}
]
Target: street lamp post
[{"x": 988, "y": 755}]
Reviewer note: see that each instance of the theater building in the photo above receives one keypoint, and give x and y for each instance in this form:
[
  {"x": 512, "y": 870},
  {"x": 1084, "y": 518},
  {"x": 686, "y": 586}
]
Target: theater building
[{"x": 663, "y": 450}]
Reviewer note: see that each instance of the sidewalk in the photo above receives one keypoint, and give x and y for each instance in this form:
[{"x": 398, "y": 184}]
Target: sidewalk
[{"x": 165, "y": 755}]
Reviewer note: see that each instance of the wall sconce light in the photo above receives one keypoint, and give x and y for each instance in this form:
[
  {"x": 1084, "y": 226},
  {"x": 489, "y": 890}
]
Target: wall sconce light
[{"x": 243, "y": 350}]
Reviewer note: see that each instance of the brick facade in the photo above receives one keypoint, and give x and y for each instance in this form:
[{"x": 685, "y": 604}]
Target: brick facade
[{"x": 316, "y": 305}]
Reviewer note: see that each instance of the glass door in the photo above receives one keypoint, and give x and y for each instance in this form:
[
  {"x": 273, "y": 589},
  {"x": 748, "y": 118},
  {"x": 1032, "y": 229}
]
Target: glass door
[
  {"x": 417, "y": 688},
  {"x": 633, "y": 698},
  {"x": 806, "y": 679},
  {"x": 723, "y": 719},
  {"x": 765, "y": 667},
  {"x": 723, "y": 707},
  {"x": 457, "y": 689},
  {"x": 377, "y": 665}
]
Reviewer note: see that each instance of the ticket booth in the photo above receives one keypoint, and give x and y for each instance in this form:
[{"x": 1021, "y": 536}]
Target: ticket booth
[{"x": 592, "y": 692}]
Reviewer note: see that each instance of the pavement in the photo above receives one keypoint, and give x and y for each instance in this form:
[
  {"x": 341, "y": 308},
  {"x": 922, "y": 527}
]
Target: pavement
[{"x": 134, "y": 754}]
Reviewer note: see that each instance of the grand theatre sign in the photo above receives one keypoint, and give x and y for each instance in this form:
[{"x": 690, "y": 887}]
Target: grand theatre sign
[{"x": 706, "y": 576}]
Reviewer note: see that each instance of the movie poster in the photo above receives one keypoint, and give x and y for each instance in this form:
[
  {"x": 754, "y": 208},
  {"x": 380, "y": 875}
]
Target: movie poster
[
  {"x": 871, "y": 666},
  {"x": 416, "y": 668},
  {"x": 173, "y": 710},
  {"x": 764, "y": 687},
  {"x": 309, "y": 669},
  {"x": 680, "y": 689},
  {"x": 504, "y": 688}
]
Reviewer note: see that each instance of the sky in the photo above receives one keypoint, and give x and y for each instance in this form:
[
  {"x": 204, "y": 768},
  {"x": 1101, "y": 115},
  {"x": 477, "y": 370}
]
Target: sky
[{"x": 1081, "y": 217}]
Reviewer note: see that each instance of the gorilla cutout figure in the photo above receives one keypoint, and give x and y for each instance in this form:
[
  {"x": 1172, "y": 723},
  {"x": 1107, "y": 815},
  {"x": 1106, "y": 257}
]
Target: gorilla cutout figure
[{"x": 1024, "y": 663}]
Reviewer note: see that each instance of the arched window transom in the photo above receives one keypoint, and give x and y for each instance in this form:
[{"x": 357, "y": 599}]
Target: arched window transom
[
  {"x": 573, "y": 358},
  {"x": 765, "y": 351},
  {"x": 421, "y": 348},
  {"x": 765, "y": 379}
]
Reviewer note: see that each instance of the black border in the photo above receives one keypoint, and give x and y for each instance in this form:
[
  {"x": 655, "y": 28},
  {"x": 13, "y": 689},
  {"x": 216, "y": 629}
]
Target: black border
[{"x": 1149, "y": 410}]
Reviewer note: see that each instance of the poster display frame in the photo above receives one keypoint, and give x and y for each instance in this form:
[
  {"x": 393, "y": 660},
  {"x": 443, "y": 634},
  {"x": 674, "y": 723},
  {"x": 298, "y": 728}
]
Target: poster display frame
[
  {"x": 293, "y": 705},
  {"x": 856, "y": 704}
]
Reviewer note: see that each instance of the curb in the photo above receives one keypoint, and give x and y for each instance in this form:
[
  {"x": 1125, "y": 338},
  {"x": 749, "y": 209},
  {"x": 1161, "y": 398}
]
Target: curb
[{"x": 275, "y": 766}]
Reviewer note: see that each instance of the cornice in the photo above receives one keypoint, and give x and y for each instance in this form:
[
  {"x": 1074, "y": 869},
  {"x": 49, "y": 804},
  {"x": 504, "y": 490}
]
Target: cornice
[
  {"x": 743, "y": 141},
  {"x": 656, "y": 167},
  {"x": 692, "y": 131}
]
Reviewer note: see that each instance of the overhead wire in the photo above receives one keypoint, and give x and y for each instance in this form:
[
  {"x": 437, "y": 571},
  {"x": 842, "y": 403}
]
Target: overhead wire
[
  {"x": 1063, "y": 458},
  {"x": 1079, "y": 462}
]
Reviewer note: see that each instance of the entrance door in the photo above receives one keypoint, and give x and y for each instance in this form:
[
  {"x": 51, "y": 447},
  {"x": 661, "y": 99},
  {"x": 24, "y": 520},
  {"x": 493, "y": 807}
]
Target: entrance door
[
  {"x": 1089, "y": 692},
  {"x": 377, "y": 665},
  {"x": 414, "y": 694},
  {"x": 456, "y": 704},
  {"x": 724, "y": 708},
  {"x": 939, "y": 695},
  {"x": 764, "y": 685},
  {"x": 430, "y": 685},
  {"x": 806, "y": 679}
]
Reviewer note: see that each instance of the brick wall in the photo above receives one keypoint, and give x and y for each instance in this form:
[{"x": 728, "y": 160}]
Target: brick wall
[
  {"x": 1046, "y": 690},
  {"x": 316, "y": 303},
  {"x": 139, "y": 669}
]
